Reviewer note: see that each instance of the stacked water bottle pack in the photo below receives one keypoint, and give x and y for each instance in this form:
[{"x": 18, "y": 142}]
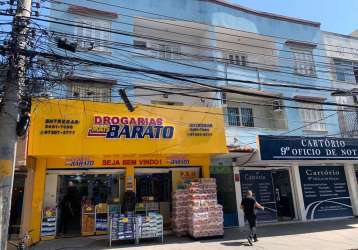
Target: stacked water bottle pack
[
  {"x": 205, "y": 215},
  {"x": 196, "y": 210},
  {"x": 179, "y": 212}
]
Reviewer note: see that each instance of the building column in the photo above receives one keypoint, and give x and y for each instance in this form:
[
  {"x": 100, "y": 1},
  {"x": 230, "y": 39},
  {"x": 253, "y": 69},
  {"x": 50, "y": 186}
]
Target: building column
[
  {"x": 352, "y": 186},
  {"x": 37, "y": 199},
  {"x": 240, "y": 213},
  {"x": 205, "y": 168},
  {"x": 298, "y": 195},
  {"x": 130, "y": 179}
]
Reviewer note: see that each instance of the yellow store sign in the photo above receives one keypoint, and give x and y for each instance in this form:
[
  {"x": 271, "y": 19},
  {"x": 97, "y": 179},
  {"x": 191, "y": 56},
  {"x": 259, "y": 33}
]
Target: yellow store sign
[
  {"x": 75, "y": 128},
  {"x": 152, "y": 161}
]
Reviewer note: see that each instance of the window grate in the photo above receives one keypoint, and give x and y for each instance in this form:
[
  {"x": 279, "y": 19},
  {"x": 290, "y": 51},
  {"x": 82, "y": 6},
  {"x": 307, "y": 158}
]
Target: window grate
[
  {"x": 91, "y": 92},
  {"x": 313, "y": 117},
  {"x": 90, "y": 37},
  {"x": 165, "y": 51},
  {"x": 239, "y": 117},
  {"x": 346, "y": 70},
  {"x": 304, "y": 63},
  {"x": 237, "y": 59}
]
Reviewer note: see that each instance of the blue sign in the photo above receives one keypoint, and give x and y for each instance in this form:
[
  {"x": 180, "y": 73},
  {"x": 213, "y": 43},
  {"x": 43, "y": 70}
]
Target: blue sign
[
  {"x": 307, "y": 148},
  {"x": 325, "y": 192},
  {"x": 260, "y": 183}
]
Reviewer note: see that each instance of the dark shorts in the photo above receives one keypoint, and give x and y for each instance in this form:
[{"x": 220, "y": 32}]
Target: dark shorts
[{"x": 251, "y": 220}]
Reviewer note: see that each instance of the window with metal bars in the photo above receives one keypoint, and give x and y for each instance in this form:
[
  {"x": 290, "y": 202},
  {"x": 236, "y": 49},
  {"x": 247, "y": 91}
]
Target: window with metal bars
[
  {"x": 312, "y": 116},
  {"x": 240, "y": 117},
  {"x": 348, "y": 120},
  {"x": 91, "y": 92},
  {"x": 94, "y": 34},
  {"x": 167, "y": 51},
  {"x": 304, "y": 63},
  {"x": 237, "y": 59},
  {"x": 346, "y": 70}
]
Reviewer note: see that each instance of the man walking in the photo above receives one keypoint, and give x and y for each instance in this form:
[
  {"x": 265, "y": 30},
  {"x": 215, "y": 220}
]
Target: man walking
[{"x": 248, "y": 204}]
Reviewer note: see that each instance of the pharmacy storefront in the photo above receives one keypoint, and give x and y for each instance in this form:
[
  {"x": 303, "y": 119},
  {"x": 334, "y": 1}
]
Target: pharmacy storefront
[
  {"x": 90, "y": 159},
  {"x": 301, "y": 178}
]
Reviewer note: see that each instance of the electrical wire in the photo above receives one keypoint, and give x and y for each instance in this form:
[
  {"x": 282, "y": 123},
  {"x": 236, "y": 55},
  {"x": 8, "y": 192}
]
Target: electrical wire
[
  {"x": 265, "y": 67},
  {"x": 62, "y": 21},
  {"x": 219, "y": 71},
  {"x": 192, "y": 21},
  {"x": 192, "y": 35},
  {"x": 164, "y": 90},
  {"x": 177, "y": 76},
  {"x": 261, "y": 83}
]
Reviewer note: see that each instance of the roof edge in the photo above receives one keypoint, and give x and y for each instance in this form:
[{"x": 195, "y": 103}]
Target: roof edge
[
  {"x": 340, "y": 35},
  {"x": 265, "y": 14}
]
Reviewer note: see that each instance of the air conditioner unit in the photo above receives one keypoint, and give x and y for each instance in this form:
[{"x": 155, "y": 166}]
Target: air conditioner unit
[
  {"x": 45, "y": 95},
  {"x": 277, "y": 105},
  {"x": 139, "y": 44}
]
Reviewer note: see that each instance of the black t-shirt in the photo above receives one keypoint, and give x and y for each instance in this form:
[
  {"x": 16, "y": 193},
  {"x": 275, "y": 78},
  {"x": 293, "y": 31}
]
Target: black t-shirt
[{"x": 249, "y": 206}]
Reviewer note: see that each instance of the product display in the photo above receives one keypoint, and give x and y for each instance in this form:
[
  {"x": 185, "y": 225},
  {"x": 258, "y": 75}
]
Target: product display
[
  {"x": 150, "y": 226},
  {"x": 101, "y": 215},
  {"x": 135, "y": 227},
  {"x": 88, "y": 219},
  {"x": 48, "y": 224},
  {"x": 146, "y": 206},
  {"x": 196, "y": 211},
  {"x": 122, "y": 227},
  {"x": 114, "y": 208},
  {"x": 102, "y": 208},
  {"x": 101, "y": 224}
]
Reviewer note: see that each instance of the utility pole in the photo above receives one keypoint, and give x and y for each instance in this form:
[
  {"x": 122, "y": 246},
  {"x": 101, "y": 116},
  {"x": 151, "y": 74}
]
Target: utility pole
[{"x": 14, "y": 90}]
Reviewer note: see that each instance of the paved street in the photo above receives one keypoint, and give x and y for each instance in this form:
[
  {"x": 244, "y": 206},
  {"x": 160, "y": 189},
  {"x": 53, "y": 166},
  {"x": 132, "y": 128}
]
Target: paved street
[{"x": 335, "y": 235}]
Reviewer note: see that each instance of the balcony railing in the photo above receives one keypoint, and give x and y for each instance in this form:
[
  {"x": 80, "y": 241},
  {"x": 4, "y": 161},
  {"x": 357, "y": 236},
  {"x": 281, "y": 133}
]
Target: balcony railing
[{"x": 255, "y": 117}]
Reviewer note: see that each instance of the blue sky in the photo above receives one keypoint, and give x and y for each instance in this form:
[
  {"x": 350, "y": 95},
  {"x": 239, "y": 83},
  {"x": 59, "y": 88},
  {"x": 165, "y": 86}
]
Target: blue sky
[{"x": 340, "y": 16}]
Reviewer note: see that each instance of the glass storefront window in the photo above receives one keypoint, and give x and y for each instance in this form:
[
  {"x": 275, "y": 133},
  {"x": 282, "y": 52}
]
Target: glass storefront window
[{"x": 325, "y": 192}]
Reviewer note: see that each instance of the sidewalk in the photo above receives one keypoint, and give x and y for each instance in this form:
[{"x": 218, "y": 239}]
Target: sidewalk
[{"x": 335, "y": 235}]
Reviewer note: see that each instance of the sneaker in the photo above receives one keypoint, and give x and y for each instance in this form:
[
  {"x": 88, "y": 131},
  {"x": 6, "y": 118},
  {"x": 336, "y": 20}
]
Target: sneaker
[
  {"x": 256, "y": 239},
  {"x": 249, "y": 240}
]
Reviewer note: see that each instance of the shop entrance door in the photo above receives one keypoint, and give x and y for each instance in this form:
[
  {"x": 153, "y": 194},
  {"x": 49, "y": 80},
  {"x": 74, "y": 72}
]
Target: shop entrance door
[
  {"x": 153, "y": 191},
  {"x": 76, "y": 190},
  {"x": 157, "y": 186},
  {"x": 272, "y": 189},
  {"x": 283, "y": 194}
]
